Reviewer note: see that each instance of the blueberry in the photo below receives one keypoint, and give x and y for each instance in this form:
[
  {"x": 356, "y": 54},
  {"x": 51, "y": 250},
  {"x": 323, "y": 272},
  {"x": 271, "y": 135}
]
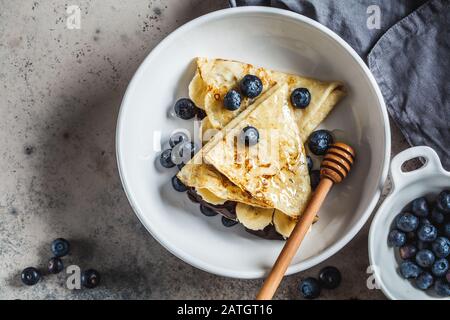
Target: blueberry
[
  {"x": 90, "y": 278},
  {"x": 424, "y": 221},
  {"x": 55, "y": 265},
  {"x": 425, "y": 281},
  {"x": 408, "y": 251},
  {"x": 437, "y": 216},
  {"x": 251, "y": 86},
  {"x": 447, "y": 230},
  {"x": 319, "y": 142},
  {"x": 315, "y": 178},
  {"x": 30, "y": 276},
  {"x": 60, "y": 247},
  {"x": 442, "y": 288},
  {"x": 396, "y": 238},
  {"x": 249, "y": 136},
  {"x": 178, "y": 185},
  {"x": 440, "y": 267},
  {"x": 441, "y": 247},
  {"x": 228, "y": 222},
  {"x": 407, "y": 222},
  {"x": 187, "y": 151},
  {"x": 443, "y": 201},
  {"x": 330, "y": 277},
  {"x": 177, "y": 138},
  {"x": 427, "y": 232},
  {"x": 310, "y": 288},
  {"x": 419, "y": 207},
  {"x": 200, "y": 113},
  {"x": 208, "y": 211},
  {"x": 409, "y": 270},
  {"x": 300, "y": 98},
  {"x": 166, "y": 159},
  {"x": 425, "y": 258},
  {"x": 309, "y": 163},
  {"x": 185, "y": 109},
  {"x": 232, "y": 100}
]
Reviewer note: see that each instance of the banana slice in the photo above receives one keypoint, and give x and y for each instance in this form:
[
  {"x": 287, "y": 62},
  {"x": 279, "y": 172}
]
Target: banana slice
[
  {"x": 284, "y": 224},
  {"x": 210, "y": 197},
  {"x": 253, "y": 218}
]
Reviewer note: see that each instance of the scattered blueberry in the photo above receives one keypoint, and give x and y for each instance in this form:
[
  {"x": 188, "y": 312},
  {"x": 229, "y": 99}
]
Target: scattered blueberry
[
  {"x": 315, "y": 178},
  {"x": 185, "y": 109},
  {"x": 200, "y": 113},
  {"x": 251, "y": 86},
  {"x": 300, "y": 98},
  {"x": 443, "y": 201},
  {"x": 447, "y": 230},
  {"x": 396, "y": 238},
  {"x": 30, "y": 276},
  {"x": 408, "y": 251},
  {"x": 177, "y": 138},
  {"x": 427, "y": 232},
  {"x": 178, "y": 185},
  {"x": 309, "y": 163},
  {"x": 407, "y": 222},
  {"x": 310, "y": 288},
  {"x": 419, "y": 207},
  {"x": 166, "y": 159},
  {"x": 90, "y": 278},
  {"x": 440, "y": 268},
  {"x": 437, "y": 216},
  {"x": 60, "y": 247},
  {"x": 330, "y": 277},
  {"x": 442, "y": 288},
  {"x": 441, "y": 247},
  {"x": 55, "y": 265},
  {"x": 208, "y": 211},
  {"x": 249, "y": 136},
  {"x": 228, "y": 222},
  {"x": 425, "y": 281},
  {"x": 232, "y": 100},
  {"x": 409, "y": 270},
  {"x": 425, "y": 258},
  {"x": 319, "y": 142}
]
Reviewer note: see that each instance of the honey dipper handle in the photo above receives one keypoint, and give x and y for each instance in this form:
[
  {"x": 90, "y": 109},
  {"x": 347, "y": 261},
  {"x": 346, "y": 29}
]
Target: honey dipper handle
[{"x": 293, "y": 243}]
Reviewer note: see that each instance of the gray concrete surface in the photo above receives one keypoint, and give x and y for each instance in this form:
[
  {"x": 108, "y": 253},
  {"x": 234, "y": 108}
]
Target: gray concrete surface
[{"x": 60, "y": 91}]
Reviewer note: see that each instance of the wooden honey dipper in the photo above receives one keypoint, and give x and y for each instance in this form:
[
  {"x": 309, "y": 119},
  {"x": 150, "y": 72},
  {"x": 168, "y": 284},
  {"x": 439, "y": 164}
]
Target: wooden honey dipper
[{"x": 334, "y": 168}]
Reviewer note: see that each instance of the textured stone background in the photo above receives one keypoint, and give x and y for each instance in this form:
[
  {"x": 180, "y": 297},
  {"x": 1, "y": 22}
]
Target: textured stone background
[{"x": 60, "y": 91}]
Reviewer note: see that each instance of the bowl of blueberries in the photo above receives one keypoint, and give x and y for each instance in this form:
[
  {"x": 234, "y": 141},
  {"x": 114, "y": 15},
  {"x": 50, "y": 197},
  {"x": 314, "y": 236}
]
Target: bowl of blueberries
[{"x": 409, "y": 240}]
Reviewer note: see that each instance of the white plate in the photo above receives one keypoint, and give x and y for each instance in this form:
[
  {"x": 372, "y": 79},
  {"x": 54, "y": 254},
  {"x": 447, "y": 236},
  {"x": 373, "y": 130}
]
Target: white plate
[
  {"x": 428, "y": 180},
  {"x": 276, "y": 39}
]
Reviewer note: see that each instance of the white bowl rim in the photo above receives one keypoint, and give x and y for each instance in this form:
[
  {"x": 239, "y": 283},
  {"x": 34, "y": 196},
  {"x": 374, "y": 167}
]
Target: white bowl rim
[{"x": 311, "y": 261}]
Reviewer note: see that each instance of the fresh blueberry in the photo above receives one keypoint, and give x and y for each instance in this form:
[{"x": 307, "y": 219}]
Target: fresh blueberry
[
  {"x": 300, "y": 98},
  {"x": 315, "y": 178},
  {"x": 166, "y": 159},
  {"x": 442, "y": 288},
  {"x": 232, "y": 100},
  {"x": 425, "y": 281},
  {"x": 251, "y": 86},
  {"x": 177, "y": 138},
  {"x": 249, "y": 136},
  {"x": 419, "y": 207},
  {"x": 330, "y": 277},
  {"x": 310, "y": 288},
  {"x": 396, "y": 238},
  {"x": 443, "y": 201},
  {"x": 408, "y": 251},
  {"x": 441, "y": 247},
  {"x": 208, "y": 211},
  {"x": 407, "y": 222},
  {"x": 409, "y": 270},
  {"x": 200, "y": 113},
  {"x": 60, "y": 247},
  {"x": 440, "y": 267},
  {"x": 447, "y": 229},
  {"x": 90, "y": 278},
  {"x": 228, "y": 222},
  {"x": 309, "y": 163},
  {"x": 427, "y": 232},
  {"x": 319, "y": 141},
  {"x": 178, "y": 185},
  {"x": 425, "y": 258},
  {"x": 55, "y": 265},
  {"x": 437, "y": 216},
  {"x": 185, "y": 109},
  {"x": 30, "y": 276}
]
